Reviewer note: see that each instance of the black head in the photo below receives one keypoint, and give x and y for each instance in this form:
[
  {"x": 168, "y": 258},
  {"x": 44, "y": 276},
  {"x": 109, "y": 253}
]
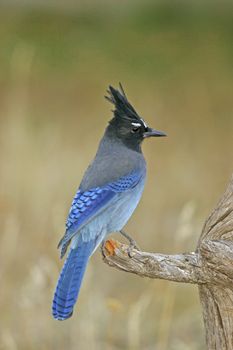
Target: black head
[{"x": 126, "y": 124}]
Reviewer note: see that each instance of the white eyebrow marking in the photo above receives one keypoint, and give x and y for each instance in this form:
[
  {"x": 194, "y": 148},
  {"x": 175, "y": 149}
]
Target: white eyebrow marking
[
  {"x": 143, "y": 122},
  {"x": 136, "y": 124}
]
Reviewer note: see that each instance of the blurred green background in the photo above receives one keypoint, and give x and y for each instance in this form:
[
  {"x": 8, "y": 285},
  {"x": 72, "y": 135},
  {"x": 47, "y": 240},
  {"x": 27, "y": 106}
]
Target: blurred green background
[{"x": 175, "y": 60}]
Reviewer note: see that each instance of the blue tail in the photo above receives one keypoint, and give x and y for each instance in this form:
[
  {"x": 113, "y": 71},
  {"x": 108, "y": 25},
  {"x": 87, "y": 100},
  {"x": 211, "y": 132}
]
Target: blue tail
[{"x": 70, "y": 280}]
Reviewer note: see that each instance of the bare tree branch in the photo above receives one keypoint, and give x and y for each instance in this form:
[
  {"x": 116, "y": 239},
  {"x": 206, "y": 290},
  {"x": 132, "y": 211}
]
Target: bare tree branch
[{"x": 178, "y": 268}]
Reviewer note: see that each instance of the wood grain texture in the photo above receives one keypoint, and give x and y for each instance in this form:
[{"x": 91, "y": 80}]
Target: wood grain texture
[
  {"x": 215, "y": 248},
  {"x": 210, "y": 267}
]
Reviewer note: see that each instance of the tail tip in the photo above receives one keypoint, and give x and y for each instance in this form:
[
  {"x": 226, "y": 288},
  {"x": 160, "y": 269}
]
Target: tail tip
[{"x": 61, "y": 317}]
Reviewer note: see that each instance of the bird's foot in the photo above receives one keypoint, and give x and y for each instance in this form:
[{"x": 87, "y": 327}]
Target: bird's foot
[{"x": 132, "y": 243}]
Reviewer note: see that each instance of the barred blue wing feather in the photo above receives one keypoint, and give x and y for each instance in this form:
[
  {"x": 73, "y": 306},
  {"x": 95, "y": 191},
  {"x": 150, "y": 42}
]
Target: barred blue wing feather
[{"x": 86, "y": 205}]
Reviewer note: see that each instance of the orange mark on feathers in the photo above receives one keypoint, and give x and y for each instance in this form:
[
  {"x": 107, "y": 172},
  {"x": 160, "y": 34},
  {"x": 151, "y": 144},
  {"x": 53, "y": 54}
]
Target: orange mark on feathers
[{"x": 110, "y": 246}]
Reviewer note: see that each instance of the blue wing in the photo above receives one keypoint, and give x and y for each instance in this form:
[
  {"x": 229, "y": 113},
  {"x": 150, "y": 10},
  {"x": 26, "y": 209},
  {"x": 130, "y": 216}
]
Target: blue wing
[{"x": 88, "y": 204}]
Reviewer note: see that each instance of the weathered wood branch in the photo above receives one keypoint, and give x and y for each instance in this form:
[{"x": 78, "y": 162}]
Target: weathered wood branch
[
  {"x": 179, "y": 268},
  {"x": 210, "y": 266}
]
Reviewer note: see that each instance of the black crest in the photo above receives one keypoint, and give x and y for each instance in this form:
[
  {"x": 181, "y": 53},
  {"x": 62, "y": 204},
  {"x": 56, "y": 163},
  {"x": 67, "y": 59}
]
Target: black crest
[{"x": 123, "y": 109}]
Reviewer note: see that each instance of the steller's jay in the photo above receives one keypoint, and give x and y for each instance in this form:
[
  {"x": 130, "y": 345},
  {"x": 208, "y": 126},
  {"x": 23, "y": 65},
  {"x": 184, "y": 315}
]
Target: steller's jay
[{"x": 107, "y": 196}]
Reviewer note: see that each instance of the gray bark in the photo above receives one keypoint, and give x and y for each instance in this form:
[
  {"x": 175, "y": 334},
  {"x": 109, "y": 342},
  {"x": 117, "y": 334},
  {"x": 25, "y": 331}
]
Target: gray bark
[{"x": 210, "y": 267}]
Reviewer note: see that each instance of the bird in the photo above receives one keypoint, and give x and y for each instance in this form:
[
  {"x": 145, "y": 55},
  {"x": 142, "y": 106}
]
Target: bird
[{"x": 108, "y": 194}]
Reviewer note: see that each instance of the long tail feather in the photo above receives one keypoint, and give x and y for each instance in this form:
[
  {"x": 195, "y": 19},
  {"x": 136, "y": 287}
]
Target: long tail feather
[{"x": 70, "y": 280}]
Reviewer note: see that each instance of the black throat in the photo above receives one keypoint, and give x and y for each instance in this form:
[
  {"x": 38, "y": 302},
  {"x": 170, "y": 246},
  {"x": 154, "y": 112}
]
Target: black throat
[{"x": 114, "y": 133}]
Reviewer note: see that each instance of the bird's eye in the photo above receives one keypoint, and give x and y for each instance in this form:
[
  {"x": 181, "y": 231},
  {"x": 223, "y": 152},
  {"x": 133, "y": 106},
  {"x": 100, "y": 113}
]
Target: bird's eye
[{"x": 135, "y": 129}]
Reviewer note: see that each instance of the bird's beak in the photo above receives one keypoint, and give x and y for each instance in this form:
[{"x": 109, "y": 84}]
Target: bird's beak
[{"x": 153, "y": 133}]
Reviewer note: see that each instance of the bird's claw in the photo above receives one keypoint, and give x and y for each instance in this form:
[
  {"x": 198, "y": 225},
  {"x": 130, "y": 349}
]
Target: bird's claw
[
  {"x": 132, "y": 244},
  {"x": 109, "y": 246}
]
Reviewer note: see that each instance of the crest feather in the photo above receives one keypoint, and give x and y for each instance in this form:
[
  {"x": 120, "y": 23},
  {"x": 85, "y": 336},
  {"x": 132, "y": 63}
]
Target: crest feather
[{"x": 123, "y": 109}]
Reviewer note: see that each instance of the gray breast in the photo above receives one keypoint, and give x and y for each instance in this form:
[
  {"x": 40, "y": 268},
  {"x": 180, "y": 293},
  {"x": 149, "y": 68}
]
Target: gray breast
[{"x": 112, "y": 161}]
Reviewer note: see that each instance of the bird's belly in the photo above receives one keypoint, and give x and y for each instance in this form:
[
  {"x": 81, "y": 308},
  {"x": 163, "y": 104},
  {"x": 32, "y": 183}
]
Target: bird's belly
[{"x": 124, "y": 208}]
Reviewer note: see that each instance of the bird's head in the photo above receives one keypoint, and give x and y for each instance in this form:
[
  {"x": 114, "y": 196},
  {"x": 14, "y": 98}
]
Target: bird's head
[{"x": 126, "y": 124}]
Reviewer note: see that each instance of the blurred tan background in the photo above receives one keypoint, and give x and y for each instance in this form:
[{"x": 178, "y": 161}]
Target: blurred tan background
[{"x": 175, "y": 60}]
